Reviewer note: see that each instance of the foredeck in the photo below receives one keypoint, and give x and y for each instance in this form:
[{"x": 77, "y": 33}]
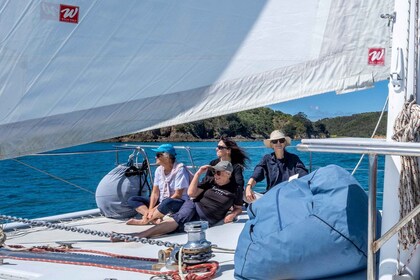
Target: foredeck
[{"x": 225, "y": 236}]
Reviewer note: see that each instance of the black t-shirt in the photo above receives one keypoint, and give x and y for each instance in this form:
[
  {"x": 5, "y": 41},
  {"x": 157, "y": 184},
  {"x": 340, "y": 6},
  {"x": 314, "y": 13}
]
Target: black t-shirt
[
  {"x": 236, "y": 178},
  {"x": 215, "y": 200}
]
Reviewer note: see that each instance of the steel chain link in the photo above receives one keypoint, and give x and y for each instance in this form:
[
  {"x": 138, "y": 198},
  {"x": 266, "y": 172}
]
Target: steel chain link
[{"x": 126, "y": 237}]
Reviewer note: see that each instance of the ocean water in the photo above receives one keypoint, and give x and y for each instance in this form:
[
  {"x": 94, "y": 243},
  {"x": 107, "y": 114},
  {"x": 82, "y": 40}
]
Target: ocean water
[{"x": 46, "y": 185}]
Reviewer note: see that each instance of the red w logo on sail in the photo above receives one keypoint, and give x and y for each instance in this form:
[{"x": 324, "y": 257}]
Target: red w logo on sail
[
  {"x": 69, "y": 13},
  {"x": 376, "y": 56}
]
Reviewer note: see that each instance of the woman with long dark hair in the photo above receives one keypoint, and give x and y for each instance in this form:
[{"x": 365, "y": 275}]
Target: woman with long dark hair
[{"x": 228, "y": 150}]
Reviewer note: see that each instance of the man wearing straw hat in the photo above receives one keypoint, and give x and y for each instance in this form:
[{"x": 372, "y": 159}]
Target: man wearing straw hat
[{"x": 276, "y": 167}]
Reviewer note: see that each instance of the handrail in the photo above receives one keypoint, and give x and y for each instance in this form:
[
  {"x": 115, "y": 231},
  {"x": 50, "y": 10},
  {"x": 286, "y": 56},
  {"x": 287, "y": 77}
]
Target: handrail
[{"x": 141, "y": 149}]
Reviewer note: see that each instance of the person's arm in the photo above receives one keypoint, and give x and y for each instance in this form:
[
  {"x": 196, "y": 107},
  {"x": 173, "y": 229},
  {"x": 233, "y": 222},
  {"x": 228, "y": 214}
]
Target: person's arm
[
  {"x": 193, "y": 190},
  {"x": 181, "y": 183},
  {"x": 153, "y": 201},
  {"x": 154, "y": 197},
  {"x": 249, "y": 193},
  {"x": 257, "y": 176},
  {"x": 238, "y": 175},
  {"x": 178, "y": 193},
  {"x": 237, "y": 209},
  {"x": 301, "y": 169}
]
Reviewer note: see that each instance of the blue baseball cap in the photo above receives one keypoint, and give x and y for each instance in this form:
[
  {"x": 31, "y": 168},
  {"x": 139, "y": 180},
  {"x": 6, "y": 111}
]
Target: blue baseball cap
[{"x": 165, "y": 148}]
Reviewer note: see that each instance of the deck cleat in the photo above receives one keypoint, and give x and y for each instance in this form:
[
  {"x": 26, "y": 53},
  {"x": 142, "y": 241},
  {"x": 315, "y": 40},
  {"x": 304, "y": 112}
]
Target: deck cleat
[{"x": 65, "y": 245}]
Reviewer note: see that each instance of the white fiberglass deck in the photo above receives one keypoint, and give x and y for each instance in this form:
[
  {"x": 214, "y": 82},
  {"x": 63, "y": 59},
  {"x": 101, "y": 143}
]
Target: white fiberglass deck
[{"x": 224, "y": 236}]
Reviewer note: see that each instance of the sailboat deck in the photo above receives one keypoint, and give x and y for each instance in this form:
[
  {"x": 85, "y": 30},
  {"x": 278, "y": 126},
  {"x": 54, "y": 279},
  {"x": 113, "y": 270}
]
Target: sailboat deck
[{"x": 225, "y": 236}]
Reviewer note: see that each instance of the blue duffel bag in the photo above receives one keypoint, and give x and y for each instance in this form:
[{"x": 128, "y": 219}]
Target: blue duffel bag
[{"x": 312, "y": 227}]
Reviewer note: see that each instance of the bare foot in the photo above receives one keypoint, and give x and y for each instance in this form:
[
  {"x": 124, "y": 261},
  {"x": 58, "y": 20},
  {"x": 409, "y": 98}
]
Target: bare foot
[{"x": 137, "y": 222}]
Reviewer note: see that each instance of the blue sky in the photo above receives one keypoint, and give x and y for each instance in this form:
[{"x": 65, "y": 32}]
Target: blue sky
[{"x": 333, "y": 105}]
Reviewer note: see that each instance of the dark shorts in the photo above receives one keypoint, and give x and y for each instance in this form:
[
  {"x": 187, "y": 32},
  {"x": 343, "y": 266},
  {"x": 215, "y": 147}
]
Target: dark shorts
[
  {"x": 170, "y": 205},
  {"x": 186, "y": 213},
  {"x": 167, "y": 206},
  {"x": 137, "y": 201}
]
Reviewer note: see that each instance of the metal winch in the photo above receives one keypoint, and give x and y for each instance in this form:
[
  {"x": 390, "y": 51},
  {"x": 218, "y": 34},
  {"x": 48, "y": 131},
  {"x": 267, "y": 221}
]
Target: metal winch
[{"x": 196, "y": 250}]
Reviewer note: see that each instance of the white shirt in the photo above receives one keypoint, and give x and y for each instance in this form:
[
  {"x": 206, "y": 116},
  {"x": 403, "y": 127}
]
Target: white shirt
[{"x": 177, "y": 179}]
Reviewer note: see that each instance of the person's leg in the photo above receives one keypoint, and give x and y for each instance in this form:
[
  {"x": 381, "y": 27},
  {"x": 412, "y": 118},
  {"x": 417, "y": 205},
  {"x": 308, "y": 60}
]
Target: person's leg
[
  {"x": 162, "y": 228},
  {"x": 168, "y": 206},
  {"x": 171, "y": 205},
  {"x": 185, "y": 214},
  {"x": 141, "y": 205}
]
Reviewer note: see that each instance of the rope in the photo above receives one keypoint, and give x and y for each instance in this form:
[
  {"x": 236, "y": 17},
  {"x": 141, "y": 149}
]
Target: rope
[
  {"x": 2, "y": 237},
  {"x": 208, "y": 269},
  {"x": 373, "y": 134},
  {"x": 53, "y": 176},
  {"x": 407, "y": 129}
]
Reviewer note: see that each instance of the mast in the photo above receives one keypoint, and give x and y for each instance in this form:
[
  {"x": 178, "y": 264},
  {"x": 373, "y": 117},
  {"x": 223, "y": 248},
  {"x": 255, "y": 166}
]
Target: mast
[{"x": 403, "y": 80}]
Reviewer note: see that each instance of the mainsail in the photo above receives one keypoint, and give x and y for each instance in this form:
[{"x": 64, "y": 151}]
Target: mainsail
[{"x": 82, "y": 71}]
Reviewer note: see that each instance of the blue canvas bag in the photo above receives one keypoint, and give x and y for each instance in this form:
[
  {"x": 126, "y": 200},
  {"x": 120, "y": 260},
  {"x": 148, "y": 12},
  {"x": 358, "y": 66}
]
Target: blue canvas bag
[{"x": 312, "y": 227}]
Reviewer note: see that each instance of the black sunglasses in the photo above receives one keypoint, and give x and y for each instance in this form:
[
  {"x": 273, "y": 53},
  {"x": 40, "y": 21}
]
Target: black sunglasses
[
  {"x": 217, "y": 172},
  {"x": 282, "y": 140},
  {"x": 158, "y": 155},
  {"x": 222, "y": 147}
]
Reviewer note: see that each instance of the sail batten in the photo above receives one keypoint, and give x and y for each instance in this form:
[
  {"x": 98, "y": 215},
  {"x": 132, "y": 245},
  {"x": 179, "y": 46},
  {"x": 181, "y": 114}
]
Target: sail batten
[{"x": 138, "y": 65}]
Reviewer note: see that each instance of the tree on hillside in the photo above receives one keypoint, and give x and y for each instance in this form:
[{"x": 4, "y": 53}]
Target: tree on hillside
[{"x": 304, "y": 125}]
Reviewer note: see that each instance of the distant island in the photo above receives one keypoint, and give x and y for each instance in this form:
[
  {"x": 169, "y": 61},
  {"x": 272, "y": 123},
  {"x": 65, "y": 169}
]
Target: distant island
[{"x": 258, "y": 123}]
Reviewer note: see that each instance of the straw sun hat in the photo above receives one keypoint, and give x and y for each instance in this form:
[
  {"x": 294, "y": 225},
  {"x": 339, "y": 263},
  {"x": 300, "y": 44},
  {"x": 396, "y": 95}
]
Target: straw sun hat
[{"x": 276, "y": 134}]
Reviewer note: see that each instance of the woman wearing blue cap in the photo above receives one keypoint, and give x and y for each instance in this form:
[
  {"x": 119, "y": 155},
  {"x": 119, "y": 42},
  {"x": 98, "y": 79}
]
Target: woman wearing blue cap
[{"x": 169, "y": 190}]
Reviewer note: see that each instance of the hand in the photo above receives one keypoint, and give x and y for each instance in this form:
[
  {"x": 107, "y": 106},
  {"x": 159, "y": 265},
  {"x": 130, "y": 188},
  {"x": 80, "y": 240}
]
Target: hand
[
  {"x": 203, "y": 169},
  {"x": 249, "y": 194},
  {"x": 150, "y": 214},
  {"x": 229, "y": 218}
]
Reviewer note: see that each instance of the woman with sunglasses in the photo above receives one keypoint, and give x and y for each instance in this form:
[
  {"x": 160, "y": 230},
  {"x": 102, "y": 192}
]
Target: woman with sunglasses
[
  {"x": 228, "y": 150},
  {"x": 276, "y": 167},
  {"x": 169, "y": 190}
]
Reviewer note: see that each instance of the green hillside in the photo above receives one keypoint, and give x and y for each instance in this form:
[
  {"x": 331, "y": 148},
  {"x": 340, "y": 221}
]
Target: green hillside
[
  {"x": 258, "y": 123},
  {"x": 358, "y": 125}
]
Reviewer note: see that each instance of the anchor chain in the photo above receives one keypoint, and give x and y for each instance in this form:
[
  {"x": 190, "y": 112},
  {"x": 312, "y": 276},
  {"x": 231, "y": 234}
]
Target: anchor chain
[{"x": 125, "y": 237}]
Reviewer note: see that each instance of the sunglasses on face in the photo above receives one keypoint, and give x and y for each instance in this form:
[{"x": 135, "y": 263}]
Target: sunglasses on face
[
  {"x": 217, "y": 172},
  {"x": 222, "y": 147},
  {"x": 281, "y": 141},
  {"x": 158, "y": 155}
]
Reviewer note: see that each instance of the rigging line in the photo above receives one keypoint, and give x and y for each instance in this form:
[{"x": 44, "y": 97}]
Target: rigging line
[
  {"x": 75, "y": 153},
  {"x": 407, "y": 51},
  {"x": 373, "y": 134},
  {"x": 53, "y": 176},
  {"x": 416, "y": 51}
]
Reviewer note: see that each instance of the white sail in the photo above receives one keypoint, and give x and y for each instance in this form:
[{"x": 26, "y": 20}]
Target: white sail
[{"x": 99, "y": 69}]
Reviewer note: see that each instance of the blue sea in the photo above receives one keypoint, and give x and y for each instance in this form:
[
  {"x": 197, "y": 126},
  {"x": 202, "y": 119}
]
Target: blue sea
[{"x": 47, "y": 185}]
